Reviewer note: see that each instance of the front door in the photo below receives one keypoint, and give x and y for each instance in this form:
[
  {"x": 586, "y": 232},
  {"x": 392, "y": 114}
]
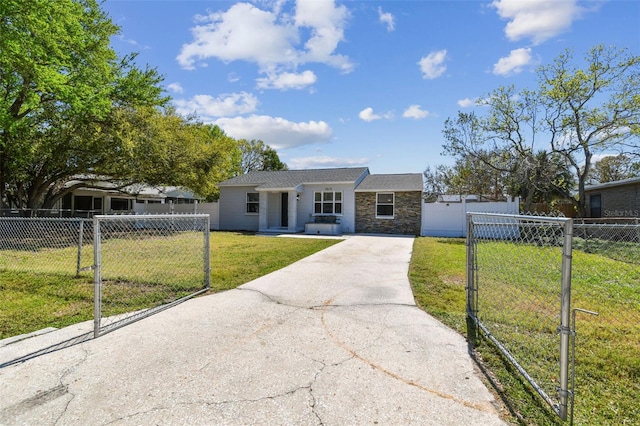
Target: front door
[{"x": 284, "y": 210}]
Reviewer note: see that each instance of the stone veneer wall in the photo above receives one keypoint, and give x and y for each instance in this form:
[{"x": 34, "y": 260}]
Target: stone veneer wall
[
  {"x": 407, "y": 214},
  {"x": 618, "y": 201}
]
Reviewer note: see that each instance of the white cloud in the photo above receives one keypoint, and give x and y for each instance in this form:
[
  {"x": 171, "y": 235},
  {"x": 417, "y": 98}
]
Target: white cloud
[
  {"x": 274, "y": 40},
  {"x": 325, "y": 161},
  {"x": 207, "y": 107},
  {"x": 231, "y": 35},
  {"x": 467, "y": 102},
  {"x": 175, "y": 88},
  {"x": 368, "y": 115},
  {"x": 287, "y": 80},
  {"x": 432, "y": 65},
  {"x": 538, "y": 20},
  {"x": 326, "y": 23},
  {"x": 414, "y": 111},
  {"x": 127, "y": 40},
  {"x": 275, "y": 131},
  {"x": 387, "y": 19},
  {"x": 514, "y": 63}
]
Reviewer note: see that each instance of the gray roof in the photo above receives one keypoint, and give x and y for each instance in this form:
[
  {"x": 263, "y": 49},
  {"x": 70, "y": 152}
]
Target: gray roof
[
  {"x": 629, "y": 181},
  {"x": 290, "y": 179},
  {"x": 400, "y": 182}
]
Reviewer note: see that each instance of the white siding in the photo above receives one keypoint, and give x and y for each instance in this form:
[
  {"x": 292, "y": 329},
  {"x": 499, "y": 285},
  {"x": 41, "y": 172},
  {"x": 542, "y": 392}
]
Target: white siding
[
  {"x": 305, "y": 206},
  {"x": 233, "y": 216}
]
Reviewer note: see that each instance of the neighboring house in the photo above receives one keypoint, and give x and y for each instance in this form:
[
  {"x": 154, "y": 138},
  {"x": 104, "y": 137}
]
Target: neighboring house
[
  {"x": 107, "y": 198},
  {"x": 613, "y": 199},
  {"x": 325, "y": 201}
]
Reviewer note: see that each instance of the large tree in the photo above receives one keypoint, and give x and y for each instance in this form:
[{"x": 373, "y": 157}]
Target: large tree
[
  {"x": 495, "y": 155},
  {"x": 62, "y": 89},
  {"x": 612, "y": 168},
  {"x": 591, "y": 110},
  {"x": 554, "y": 131},
  {"x": 257, "y": 156},
  {"x": 167, "y": 149}
]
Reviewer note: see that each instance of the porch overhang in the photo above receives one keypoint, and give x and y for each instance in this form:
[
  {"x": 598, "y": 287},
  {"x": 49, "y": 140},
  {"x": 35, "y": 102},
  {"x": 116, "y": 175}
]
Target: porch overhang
[{"x": 269, "y": 188}]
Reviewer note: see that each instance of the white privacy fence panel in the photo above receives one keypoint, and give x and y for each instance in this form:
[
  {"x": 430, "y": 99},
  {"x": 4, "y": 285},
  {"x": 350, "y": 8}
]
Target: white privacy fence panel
[
  {"x": 450, "y": 219},
  {"x": 212, "y": 209}
]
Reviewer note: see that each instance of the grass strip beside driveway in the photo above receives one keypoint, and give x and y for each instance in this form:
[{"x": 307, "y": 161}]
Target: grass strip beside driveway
[
  {"x": 607, "y": 361},
  {"x": 30, "y": 300}
]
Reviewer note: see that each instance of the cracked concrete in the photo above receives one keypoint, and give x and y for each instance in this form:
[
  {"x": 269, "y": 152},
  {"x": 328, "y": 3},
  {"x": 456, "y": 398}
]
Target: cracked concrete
[{"x": 332, "y": 339}]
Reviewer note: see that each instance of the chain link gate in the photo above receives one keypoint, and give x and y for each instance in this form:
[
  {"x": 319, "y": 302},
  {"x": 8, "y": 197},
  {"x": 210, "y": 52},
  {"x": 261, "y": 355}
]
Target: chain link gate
[
  {"x": 529, "y": 277},
  {"x": 140, "y": 265},
  {"x": 144, "y": 264},
  {"x": 519, "y": 295}
]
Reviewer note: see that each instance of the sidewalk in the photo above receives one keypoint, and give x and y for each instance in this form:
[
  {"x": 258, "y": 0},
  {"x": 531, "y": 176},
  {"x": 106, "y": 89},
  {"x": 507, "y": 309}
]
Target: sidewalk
[{"x": 333, "y": 339}]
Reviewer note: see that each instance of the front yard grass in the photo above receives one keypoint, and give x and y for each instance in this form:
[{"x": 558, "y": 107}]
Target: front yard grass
[
  {"x": 36, "y": 294},
  {"x": 608, "y": 364}
]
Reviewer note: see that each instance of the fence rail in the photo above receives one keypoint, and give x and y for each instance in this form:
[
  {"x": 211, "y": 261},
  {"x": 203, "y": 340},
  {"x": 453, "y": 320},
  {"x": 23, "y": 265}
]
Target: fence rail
[
  {"x": 124, "y": 267},
  {"x": 561, "y": 299},
  {"x": 147, "y": 263}
]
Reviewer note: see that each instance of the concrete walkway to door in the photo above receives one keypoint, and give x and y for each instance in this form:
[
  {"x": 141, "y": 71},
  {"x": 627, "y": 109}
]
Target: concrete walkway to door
[{"x": 334, "y": 339}]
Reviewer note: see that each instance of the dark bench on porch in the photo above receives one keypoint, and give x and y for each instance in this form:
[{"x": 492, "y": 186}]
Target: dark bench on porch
[{"x": 323, "y": 225}]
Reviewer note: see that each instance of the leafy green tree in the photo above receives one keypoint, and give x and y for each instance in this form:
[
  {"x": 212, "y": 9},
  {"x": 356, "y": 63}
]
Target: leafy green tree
[
  {"x": 257, "y": 156},
  {"x": 171, "y": 150},
  {"x": 435, "y": 182},
  {"x": 591, "y": 110},
  {"x": 468, "y": 175},
  {"x": 575, "y": 113},
  {"x": 271, "y": 161},
  {"x": 613, "y": 168},
  {"x": 61, "y": 90}
]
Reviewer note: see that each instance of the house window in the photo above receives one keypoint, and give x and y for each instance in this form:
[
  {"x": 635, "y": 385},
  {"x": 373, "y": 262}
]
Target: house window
[
  {"x": 120, "y": 204},
  {"x": 253, "y": 203},
  {"x": 83, "y": 202},
  {"x": 385, "y": 205},
  {"x": 327, "y": 202},
  {"x": 595, "y": 205}
]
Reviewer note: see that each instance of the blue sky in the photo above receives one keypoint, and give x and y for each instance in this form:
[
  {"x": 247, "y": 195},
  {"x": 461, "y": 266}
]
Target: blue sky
[{"x": 356, "y": 83}]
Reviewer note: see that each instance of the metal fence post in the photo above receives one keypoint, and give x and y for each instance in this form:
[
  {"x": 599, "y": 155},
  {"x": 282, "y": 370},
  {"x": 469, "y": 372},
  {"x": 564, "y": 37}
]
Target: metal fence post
[
  {"x": 471, "y": 299},
  {"x": 80, "y": 237},
  {"x": 472, "y": 306},
  {"x": 207, "y": 253},
  {"x": 565, "y": 320},
  {"x": 97, "y": 278}
]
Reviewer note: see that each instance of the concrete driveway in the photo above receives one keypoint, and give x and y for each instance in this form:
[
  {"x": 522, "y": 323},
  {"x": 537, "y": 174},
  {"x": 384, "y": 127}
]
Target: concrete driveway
[{"x": 333, "y": 339}]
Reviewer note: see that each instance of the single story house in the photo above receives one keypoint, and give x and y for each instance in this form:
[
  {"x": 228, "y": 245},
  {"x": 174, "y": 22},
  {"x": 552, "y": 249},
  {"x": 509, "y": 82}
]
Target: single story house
[
  {"x": 322, "y": 201},
  {"x": 614, "y": 199},
  {"x": 103, "y": 197}
]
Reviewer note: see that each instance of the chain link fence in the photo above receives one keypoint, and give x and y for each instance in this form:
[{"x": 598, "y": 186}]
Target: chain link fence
[
  {"x": 606, "y": 281},
  {"x": 48, "y": 246},
  {"x": 561, "y": 300},
  {"x": 56, "y": 272},
  {"x": 515, "y": 272},
  {"x": 46, "y": 278},
  {"x": 147, "y": 263}
]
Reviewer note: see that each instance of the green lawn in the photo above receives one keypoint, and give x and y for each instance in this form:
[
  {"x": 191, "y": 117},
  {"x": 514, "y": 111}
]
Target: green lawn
[
  {"x": 39, "y": 289},
  {"x": 608, "y": 346}
]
